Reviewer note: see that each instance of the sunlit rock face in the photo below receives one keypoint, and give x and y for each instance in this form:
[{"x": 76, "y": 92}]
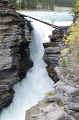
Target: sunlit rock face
[{"x": 14, "y": 50}]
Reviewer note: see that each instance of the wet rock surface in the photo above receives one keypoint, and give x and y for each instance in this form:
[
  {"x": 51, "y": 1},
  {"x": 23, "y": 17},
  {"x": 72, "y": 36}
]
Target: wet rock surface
[{"x": 14, "y": 50}]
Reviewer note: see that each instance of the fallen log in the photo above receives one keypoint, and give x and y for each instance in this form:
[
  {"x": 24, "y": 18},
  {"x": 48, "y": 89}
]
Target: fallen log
[{"x": 54, "y": 26}]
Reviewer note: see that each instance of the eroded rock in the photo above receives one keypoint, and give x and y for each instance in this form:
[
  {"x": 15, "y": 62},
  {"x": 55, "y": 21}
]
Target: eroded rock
[
  {"x": 52, "y": 52},
  {"x": 14, "y": 50}
]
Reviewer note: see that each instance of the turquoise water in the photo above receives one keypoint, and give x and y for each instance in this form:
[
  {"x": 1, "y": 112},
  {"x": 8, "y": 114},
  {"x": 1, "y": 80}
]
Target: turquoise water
[{"x": 51, "y": 17}]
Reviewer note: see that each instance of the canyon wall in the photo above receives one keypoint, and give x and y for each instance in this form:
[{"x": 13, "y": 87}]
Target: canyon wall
[
  {"x": 62, "y": 103},
  {"x": 14, "y": 50},
  {"x": 53, "y": 50}
]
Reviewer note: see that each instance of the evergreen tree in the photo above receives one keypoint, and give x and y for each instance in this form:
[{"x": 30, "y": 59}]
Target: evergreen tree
[
  {"x": 14, "y": 3},
  {"x": 23, "y": 4},
  {"x": 64, "y": 3},
  {"x": 41, "y": 4},
  {"x": 51, "y": 4}
]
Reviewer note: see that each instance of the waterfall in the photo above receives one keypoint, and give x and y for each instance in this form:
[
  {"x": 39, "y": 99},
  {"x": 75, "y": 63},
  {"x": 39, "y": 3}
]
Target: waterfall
[{"x": 33, "y": 87}]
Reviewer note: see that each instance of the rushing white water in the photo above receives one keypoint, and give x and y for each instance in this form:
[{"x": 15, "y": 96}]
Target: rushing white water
[{"x": 31, "y": 89}]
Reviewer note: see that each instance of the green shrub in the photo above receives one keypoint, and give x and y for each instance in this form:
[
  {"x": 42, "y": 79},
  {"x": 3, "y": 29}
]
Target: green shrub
[
  {"x": 60, "y": 103},
  {"x": 50, "y": 94},
  {"x": 63, "y": 62}
]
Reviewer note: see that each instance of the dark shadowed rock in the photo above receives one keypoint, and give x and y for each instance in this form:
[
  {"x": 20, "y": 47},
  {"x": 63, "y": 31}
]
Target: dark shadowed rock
[{"x": 52, "y": 73}]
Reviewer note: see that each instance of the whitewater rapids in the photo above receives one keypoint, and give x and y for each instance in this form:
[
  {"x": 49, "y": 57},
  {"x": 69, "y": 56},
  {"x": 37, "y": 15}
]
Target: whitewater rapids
[{"x": 33, "y": 87}]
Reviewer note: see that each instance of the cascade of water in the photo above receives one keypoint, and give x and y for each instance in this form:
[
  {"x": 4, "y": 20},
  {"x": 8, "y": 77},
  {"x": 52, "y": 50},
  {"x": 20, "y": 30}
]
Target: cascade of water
[{"x": 31, "y": 89}]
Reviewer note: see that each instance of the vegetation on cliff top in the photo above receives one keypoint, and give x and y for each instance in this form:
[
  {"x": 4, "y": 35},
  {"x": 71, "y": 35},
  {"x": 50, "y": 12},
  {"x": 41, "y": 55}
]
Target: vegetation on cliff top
[
  {"x": 70, "y": 54},
  {"x": 41, "y": 4},
  {"x": 76, "y": 8}
]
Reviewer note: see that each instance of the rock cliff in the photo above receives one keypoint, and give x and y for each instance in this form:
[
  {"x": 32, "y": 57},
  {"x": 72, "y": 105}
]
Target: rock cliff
[
  {"x": 52, "y": 51},
  {"x": 14, "y": 50},
  {"x": 60, "y": 104},
  {"x": 63, "y": 102}
]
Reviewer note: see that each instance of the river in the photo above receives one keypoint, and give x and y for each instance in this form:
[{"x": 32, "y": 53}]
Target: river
[{"x": 33, "y": 87}]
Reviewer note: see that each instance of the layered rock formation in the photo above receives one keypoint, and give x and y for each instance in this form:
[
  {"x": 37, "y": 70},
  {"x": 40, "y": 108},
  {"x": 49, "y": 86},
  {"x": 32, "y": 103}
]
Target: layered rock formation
[
  {"x": 63, "y": 102},
  {"x": 14, "y": 50},
  {"x": 47, "y": 111},
  {"x": 60, "y": 104},
  {"x": 52, "y": 51}
]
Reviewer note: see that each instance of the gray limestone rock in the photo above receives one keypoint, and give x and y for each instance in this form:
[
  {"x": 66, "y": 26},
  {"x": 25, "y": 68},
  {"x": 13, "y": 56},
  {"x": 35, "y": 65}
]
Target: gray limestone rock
[
  {"x": 75, "y": 93},
  {"x": 73, "y": 106},
  {"x": 14, "y": 50},
  {"x": 70, "y": 112},
  {"x": 64, "y": 117},
  {"x": 51, "y": 57},
  {"x": 51, "y": 97},
  {"x": 53, "y": 50}
]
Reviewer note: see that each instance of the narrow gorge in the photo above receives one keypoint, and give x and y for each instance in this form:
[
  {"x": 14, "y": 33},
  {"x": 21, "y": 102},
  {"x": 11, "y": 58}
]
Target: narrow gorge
[{"x": 33, "y": 85}]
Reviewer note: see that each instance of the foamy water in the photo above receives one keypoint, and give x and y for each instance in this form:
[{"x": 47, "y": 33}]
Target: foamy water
[{"x": 32, "y": 89}]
